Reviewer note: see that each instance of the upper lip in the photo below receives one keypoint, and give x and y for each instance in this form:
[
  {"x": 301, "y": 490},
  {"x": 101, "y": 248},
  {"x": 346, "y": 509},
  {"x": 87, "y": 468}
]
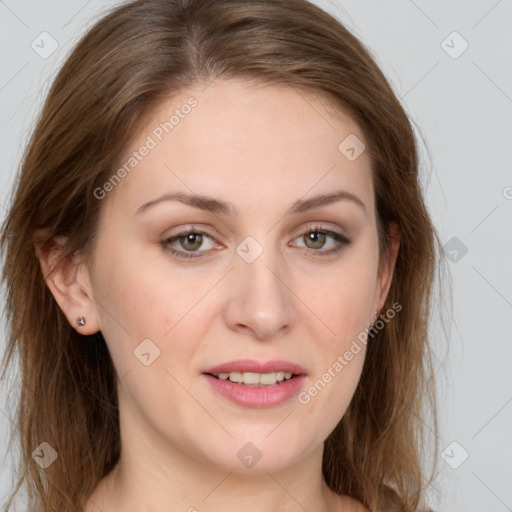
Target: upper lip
[{"x": 253, "y": 366}]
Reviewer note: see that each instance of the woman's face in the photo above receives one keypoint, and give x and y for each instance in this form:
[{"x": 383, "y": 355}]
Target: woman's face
[{"x": 248, "y": 294}]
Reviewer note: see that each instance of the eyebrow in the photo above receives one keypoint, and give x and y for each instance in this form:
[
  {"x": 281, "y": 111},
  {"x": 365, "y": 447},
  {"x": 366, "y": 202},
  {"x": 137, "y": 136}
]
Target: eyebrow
[{"x": 213, "y": 205}]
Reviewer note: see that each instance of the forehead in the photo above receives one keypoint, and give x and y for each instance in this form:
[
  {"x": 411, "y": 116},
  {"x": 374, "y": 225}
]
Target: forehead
[{"x": 244, "y": 140}]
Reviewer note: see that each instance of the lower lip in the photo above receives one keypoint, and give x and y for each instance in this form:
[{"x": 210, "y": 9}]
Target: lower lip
[{"x": 257, "y": 397}]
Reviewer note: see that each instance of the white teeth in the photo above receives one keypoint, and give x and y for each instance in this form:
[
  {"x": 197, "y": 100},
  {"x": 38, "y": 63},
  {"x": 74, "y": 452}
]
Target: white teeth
[
  {"x": 235, "y": 377},
  {"x": 254, "y": 379},
  {"x": 267, "y": 378},
  {"x": 250, "y": 378}
]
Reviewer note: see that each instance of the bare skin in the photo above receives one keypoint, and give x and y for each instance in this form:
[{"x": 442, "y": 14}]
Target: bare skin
[{"x": 261, "y": 149}]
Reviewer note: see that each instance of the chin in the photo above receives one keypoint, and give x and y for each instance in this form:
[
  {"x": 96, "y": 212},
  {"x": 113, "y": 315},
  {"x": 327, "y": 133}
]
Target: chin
[{"x": 258, "y": 453}]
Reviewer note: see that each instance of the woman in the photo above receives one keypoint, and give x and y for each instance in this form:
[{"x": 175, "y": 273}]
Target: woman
[{"x": 218, "y": 265}]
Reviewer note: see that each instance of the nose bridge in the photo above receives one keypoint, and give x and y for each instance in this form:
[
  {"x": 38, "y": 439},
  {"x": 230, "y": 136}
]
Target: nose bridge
[{"x": 261, "y": 301}]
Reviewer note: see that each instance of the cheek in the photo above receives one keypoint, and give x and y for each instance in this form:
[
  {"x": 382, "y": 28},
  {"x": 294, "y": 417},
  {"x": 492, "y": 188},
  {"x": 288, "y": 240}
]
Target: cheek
[
  {"x": 343, "y": 302},
  {"x": 340, "y": 356},
  {"x": 141, "y": 301},
  {"x": 150, "y": 315},
  {"x": 140, "y": 295}
]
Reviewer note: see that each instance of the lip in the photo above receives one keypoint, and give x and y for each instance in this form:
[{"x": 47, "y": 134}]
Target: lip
[
  {"x": 257, "y": 397},
  {"x": 253, "y": 366}
]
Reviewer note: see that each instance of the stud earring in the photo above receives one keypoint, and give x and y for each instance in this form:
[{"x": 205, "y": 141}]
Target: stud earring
[{"x": 80, "y": 321}]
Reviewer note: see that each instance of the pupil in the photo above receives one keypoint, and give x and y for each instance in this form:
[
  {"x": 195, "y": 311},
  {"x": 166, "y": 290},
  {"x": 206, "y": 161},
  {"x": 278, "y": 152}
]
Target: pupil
[
  {"x": 317, "y": 239},
  {"x": 191, "y": 238}
]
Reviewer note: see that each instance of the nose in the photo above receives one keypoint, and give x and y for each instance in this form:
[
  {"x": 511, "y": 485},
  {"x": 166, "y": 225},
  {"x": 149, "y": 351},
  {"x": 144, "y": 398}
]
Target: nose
[{"x": 261, "y": 303}]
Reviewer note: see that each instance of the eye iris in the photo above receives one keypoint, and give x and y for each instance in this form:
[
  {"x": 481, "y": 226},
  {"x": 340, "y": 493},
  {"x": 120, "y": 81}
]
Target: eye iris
[
  {"x": 192, "y": 237},
  {"x": 316, "y": 238}
]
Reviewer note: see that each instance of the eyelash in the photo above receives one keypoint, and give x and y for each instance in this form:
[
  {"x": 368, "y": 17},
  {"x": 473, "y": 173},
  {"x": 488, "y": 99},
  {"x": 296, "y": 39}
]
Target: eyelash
[{"x": 338, "y": 237}]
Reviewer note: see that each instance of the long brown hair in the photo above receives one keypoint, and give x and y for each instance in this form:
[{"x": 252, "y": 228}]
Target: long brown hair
[{"x": 128, "y": 62}]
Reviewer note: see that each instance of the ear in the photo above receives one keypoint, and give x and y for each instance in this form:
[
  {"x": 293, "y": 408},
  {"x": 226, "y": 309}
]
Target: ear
[
  {"x": 386, "y": 267},
  {"x": 68, "y": 279}
]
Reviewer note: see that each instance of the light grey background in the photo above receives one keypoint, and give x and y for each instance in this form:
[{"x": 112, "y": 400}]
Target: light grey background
[{"x": 462, "y": 105}]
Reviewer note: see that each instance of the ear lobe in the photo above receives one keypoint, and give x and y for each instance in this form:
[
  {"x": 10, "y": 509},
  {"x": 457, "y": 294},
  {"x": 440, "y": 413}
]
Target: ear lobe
[{"x": 63, "y": 275}]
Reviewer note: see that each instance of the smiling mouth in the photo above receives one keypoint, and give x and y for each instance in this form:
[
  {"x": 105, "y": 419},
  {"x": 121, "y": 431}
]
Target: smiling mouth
[{"x": 251, "y": 379}]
